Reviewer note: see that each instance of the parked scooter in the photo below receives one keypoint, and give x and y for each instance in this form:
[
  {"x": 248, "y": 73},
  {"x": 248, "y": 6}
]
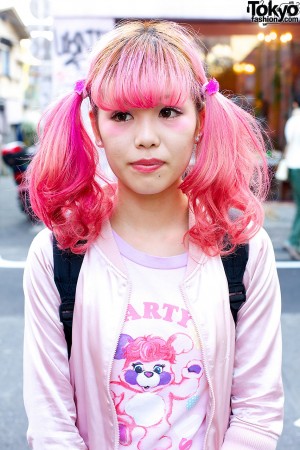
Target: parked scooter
[{"x": 17, "y": 157}]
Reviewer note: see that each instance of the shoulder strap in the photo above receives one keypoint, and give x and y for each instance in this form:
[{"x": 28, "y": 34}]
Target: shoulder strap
[
  {"x": 234, "y": 266},
  {"x": 67, "y": 266}
]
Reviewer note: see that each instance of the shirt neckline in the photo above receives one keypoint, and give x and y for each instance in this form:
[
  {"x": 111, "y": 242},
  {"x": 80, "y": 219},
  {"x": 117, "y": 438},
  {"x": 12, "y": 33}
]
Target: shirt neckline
[{"x": 147, "y": 260}]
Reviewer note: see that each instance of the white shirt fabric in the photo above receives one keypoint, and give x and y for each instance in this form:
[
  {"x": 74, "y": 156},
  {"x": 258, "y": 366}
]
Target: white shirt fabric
[{"x": 158, "y": 382}]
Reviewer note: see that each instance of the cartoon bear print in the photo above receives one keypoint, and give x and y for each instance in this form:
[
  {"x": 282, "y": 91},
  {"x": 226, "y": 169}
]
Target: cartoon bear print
[{"x": 155, "y": 374}]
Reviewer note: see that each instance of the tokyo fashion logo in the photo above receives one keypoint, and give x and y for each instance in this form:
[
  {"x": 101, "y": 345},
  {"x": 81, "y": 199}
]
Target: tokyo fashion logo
[{"x": 269, "y": 12}]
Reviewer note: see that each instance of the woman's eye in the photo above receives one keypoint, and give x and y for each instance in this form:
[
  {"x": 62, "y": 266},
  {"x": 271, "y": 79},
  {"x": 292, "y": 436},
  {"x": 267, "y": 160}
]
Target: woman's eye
[
  {"x": 169, "y": 113},
  {"x": 120, "y": 116}
]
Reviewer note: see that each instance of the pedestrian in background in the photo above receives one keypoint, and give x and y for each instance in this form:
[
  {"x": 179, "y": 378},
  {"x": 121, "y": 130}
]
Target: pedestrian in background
[
  {"x": 292, "y": 155},
  {"x": 156, "y": 359}
]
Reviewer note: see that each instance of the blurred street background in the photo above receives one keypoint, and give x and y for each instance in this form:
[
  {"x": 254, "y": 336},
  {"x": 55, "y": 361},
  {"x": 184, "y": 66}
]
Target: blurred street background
[{"x": 44, "y": 49}]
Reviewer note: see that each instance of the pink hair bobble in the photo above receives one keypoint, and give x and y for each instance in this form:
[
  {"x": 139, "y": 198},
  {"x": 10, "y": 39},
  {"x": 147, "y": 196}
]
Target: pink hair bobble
[
  {"x": 211, "y": 87},
  {"x": 79, "y": 88}
]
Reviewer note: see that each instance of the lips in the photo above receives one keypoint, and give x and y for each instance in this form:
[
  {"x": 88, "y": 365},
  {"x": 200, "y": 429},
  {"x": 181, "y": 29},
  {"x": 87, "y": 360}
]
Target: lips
[{"x": 147, "y": 165}]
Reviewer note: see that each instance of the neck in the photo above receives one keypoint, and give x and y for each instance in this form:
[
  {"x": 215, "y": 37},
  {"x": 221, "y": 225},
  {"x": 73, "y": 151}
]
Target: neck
[
  {"x": 143, "y": 220},
  {"x": 150, "y": 212}
]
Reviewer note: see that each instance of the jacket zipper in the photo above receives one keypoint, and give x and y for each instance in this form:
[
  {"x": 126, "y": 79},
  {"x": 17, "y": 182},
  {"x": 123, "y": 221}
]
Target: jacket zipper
[
  {"x": 212, "y": 400},
  {"x": 115, "y": 418},
  {"x": 212, "y": 410}
]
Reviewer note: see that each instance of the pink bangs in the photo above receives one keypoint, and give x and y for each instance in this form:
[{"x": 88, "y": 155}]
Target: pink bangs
[{"x": 147, "y": 73}]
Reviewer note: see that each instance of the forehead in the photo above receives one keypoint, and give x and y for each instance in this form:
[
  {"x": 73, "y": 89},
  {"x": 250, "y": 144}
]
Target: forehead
[{"x": 142, "y": 76}]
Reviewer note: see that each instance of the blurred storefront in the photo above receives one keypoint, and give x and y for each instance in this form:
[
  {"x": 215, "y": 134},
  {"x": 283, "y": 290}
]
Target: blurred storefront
[{"x": 260, "y": 66}]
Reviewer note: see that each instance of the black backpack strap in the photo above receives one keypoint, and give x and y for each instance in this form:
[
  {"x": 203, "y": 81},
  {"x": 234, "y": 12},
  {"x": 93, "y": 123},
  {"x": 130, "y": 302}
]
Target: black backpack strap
[
  {"x": 67, "y": 266},
  {"x": 234, "y": 266}
]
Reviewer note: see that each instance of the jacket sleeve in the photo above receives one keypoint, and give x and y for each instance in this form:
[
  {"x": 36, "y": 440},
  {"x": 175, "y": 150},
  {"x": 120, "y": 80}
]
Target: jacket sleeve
[
  {"x": 257, "y": 393},
  {"x": 48, "y": 393}
]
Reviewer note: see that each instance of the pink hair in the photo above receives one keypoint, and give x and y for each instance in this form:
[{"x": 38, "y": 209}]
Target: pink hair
[
  {"x": 142, "y": 64},
  {"x": 64, "y": 191},
  {"x": 229, "y": 181},
  {"x": 149, "y": 348}
]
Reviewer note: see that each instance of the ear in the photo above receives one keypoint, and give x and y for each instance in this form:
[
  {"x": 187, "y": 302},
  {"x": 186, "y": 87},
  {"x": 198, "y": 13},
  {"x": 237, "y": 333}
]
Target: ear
[
  {"x": 200, "y": 121},
  {"x": 94, "y": 123},
  {"x": 202, "y": 118}
]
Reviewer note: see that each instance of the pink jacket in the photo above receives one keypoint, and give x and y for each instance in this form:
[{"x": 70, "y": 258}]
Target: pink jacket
[{"x": 69, "y": 405}]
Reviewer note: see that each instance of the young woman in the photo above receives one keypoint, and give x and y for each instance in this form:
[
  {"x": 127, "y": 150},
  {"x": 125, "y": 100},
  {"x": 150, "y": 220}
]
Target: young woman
[{"x": 156, "y": 361}]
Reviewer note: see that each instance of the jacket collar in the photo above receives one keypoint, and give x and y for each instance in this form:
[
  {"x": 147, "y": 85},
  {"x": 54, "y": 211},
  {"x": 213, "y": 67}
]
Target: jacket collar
[{"x": 107, "y": 245}]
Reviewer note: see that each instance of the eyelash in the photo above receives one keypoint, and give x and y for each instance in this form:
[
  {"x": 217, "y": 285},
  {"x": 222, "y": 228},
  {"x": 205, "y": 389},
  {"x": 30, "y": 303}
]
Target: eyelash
[
  {"x": 116, "y": 115},
  {"x": 169, "y": 108}
]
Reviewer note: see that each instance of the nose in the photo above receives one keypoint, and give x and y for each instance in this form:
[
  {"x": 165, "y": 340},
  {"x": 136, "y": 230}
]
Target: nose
[{"x": 147, "y": 135}]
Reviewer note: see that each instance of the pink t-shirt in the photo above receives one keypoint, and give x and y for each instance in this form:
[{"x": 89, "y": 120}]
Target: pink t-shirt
[{"x": 158, "y": 382}]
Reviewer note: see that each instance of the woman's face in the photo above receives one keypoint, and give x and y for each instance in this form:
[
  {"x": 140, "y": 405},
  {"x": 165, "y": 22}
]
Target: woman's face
[{"x": 148, "y": 149}]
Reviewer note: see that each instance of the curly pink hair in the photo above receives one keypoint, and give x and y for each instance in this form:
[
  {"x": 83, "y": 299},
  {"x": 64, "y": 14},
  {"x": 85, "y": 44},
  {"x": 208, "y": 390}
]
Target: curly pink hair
[{"x": 139, "y": 65}]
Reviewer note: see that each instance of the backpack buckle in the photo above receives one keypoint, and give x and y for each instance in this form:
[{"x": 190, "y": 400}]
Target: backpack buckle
[{"x": 66, "y": 310}]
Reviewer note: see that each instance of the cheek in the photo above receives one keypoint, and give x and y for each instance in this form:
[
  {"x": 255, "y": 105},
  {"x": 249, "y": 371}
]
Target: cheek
[
  {"x": 183, "y": 136},
  {"x": 110, "y": 130},
  {"x": 113, "y": 142},
  {"x": 186, "y": 126},
  {"x": 114, "y": 156}
]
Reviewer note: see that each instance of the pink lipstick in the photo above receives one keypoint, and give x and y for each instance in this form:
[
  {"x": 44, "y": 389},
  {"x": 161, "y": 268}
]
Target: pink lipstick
[{"x": 147, "y": 165}]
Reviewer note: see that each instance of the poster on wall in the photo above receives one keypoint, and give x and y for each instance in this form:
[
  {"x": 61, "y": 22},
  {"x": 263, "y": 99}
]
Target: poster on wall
[{"x": 73, "y": 40}]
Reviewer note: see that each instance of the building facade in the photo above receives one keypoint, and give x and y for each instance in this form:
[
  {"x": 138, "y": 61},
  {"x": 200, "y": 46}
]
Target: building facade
[{"x": 12, "y": 31}]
